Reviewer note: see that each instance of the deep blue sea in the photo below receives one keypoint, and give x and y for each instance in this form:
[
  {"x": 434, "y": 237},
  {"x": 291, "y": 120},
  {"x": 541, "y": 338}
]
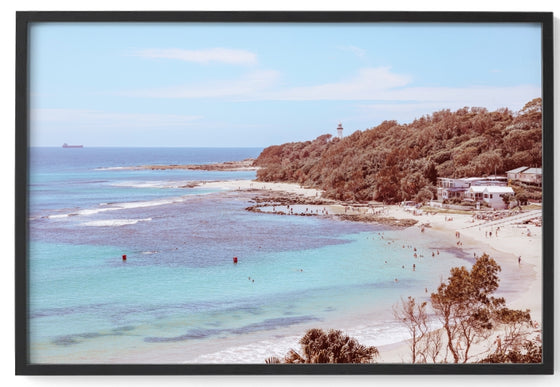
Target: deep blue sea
[{"x": 178, "y": 297}]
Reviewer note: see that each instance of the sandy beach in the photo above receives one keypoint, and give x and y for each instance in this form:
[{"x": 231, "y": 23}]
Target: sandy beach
[{"x": 506, "y": 240}]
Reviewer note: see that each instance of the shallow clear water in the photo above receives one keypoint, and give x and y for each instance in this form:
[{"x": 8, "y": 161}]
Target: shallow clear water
[{"x": 179, "y": 296}]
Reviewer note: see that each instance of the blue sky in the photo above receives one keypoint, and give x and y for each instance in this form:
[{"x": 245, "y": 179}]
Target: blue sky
[{"x": 138, "y": 84}]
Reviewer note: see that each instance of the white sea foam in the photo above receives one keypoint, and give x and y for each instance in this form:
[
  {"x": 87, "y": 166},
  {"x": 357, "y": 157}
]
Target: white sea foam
[
  {"x": 103, "y": 207},
  {"x": 58, "y": 216},
  {"x": 252, "y": 353},
  {"x": 163, "y": 184},
  {"x": 151, "y": 203},
  {"x": 112, "y": 168},
  {"x": 114, "y": 222},
  {"x": 377, "y": 334}
]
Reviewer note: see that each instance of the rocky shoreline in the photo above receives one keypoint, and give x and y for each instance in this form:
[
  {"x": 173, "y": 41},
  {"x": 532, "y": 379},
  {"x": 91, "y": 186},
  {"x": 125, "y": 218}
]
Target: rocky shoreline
[
  {"x": 289, "y": 200},
  {"x": 243, "y": 165}
]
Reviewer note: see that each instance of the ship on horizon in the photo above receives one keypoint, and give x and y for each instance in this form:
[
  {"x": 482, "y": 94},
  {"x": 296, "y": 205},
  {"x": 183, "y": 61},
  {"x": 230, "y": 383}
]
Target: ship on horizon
[{"x": 65, "y": 145}]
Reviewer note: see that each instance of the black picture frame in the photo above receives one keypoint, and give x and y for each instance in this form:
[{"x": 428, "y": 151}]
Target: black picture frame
[{"x": 23, "y": 22}]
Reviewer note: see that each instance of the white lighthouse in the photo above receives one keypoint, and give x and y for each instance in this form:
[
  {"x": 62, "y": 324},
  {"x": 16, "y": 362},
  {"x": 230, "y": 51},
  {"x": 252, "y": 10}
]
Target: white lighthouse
[{"x": 339, "y": 130}]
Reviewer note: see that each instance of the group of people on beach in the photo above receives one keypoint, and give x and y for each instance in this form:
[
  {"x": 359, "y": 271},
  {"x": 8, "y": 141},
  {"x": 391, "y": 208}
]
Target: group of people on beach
[
  {"x": 458, "y": 236},
  {"x": 489, "y": 233},
  {"x": 290, "y": 211}
]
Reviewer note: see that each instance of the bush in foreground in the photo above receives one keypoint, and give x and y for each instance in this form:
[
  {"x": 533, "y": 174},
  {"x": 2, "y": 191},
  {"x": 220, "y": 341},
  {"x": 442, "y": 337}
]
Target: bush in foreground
[{"x": 318, "y": 346}]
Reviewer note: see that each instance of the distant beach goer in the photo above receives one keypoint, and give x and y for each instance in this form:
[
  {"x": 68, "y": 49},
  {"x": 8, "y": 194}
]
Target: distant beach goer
[
  {"x": 519, "y": 260},
  {"x": 413, "y": 267},
  {"x": 498, "y": 343}
]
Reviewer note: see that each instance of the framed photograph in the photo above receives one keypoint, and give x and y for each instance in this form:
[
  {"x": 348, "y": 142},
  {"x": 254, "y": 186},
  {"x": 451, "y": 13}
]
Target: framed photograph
[{"x": 284, "y": 193}]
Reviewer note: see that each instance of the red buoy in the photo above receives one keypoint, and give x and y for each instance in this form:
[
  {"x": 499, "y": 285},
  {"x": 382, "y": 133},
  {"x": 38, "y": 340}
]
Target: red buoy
[
  {"x": 234, "y": 259},
  {"x": 124, "y": 257}
]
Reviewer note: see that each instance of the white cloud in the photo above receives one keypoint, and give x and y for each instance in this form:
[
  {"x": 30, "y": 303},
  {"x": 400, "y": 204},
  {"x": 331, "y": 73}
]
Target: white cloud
[
  {"x": 359, "y": 52},
  {"x": 247, "y": 86},
  {"x": 221, "y": 55},
  {"x": 487, "y": 96},
  {"x": 410, "y": 103},
  {"x": 80, "y": 118},
  {"x": 369, "y": 83},
  {"x": 380, "y": 84}
]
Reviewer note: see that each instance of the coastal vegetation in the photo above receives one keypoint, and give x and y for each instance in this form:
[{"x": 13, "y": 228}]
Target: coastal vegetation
[
  {"x": 318, "y": 346},
  {"x": 469, "y": 315},
  {"x": 393, "y": 162}
]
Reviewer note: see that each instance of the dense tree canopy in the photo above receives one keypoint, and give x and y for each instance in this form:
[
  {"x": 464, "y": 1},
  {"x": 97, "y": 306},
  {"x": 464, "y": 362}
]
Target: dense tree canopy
[{"x": 393, "y": 162}]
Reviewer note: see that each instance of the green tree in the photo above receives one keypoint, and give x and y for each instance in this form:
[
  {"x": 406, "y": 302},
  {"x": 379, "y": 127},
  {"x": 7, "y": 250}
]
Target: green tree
[
  {"x": 507, "y": 198},
  {"x": 465, "y": 305},
  {"x": 431, "y": 173},
  {"x": 522, "y": 198},
  {"x": 530, "y": 352},
  {"x": 382, "y": 163},
  {"x": 515, "y": 323},
  {"x": 415, "y": 318},
  {"x": 318, "y": 346}
]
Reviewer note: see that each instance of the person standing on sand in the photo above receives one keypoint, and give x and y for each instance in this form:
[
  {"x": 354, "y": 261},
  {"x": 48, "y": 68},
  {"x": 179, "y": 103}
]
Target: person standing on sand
[
  {"x": 498, "y": 343},
  {"x": 519, "y": 260}
]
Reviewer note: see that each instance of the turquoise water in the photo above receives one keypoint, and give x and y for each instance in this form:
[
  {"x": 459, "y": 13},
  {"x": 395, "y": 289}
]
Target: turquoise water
[{"x": 179, "y": 296}]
